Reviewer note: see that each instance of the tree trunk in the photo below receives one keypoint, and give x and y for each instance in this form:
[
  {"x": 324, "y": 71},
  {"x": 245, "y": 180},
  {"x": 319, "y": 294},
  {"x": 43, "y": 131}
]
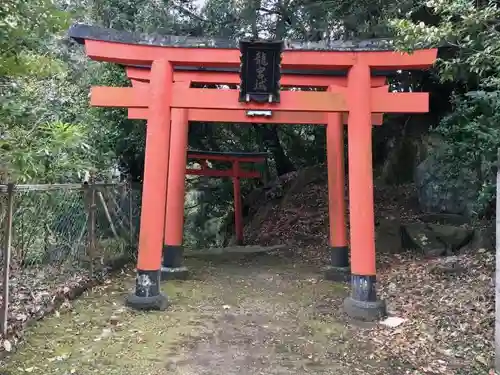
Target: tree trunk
[
  {"x": 270, "y": 138},
  {"x": 255, "y": 13},
  {"x": 269, "y": 133}
]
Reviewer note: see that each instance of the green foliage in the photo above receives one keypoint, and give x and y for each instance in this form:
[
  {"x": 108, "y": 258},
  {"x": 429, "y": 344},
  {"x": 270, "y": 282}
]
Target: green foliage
[
  {"x": 52, "y": 151},
  {"x": 468, "y": 35},
  {"x": 43, "y": 139},
  {"x": 22, "y": 24},
  {"x": 474, "y": 138},
  {"x": 48, "y": 129},
  {"x": 468, "y": 31}
]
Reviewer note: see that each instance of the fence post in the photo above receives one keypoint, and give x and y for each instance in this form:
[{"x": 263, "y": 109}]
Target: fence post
[
  {"x": 91, "y": 207},
  {"x": 7, "y": 254},
  {"x": 497, "y": 271}
]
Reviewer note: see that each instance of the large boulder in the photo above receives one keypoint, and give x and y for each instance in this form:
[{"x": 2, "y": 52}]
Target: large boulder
[
  {"x": 484, "y": 237},
  {"x": 388, "y": 236},
  {"x": 439, "y": 190},
  {"x": 436, "y": 239}
]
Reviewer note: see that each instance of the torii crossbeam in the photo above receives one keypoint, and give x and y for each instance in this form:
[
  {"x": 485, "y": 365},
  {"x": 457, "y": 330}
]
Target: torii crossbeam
[{"x": 162, "y": 93}]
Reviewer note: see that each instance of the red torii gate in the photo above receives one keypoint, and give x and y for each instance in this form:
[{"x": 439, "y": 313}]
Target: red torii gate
[
  {"x": 236, "y": 173},
  {"x": 171, "y": 103},
  {"x": 172, "y": 266},
  {"x": 173, "y": 261}
]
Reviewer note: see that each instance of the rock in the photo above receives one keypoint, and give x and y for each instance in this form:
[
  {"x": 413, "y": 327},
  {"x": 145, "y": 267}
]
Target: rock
[
  {"x": 435, "y": 239},
  {"x": 398, "y": 147},
  {"x": 439, "y": 190},
  {"x": 453, "y": 236},
  {"x": 443, "y": 218},
  {"x": 388, "y": 236},
  {"x": 418, "y": 236},
  {"x": 7, "y": 346},
  {"x": 393, "y": 322},
  {"x": 484, "y": 238}
]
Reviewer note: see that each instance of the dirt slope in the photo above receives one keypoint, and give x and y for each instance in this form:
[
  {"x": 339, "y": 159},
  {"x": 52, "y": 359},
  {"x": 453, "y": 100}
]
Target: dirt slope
[{"x": 294, "y": 210}]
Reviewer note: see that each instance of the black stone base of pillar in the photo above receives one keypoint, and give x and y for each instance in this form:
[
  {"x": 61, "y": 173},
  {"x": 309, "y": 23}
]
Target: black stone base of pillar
[
  {"x": 147, "y": 295},
  {"x": 338, "y": 270},
  {"x": 178, "y": 273},
  {"x": 173, "y": 263},
  {"x": 363, "y": 303}
]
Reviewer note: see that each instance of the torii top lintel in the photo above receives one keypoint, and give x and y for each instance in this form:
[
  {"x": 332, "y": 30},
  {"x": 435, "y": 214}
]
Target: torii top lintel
[{"x": 126, "y": 48}]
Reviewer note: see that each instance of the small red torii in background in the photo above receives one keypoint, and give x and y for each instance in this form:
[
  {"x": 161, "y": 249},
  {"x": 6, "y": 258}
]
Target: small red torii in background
[{"x": 236, "y": 173}]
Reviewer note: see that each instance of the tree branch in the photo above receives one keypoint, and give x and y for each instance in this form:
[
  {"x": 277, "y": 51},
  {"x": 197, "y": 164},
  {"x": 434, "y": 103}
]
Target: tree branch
[
  {"x": 269, "y": 11},
  {"x": 189, "y": 13}
]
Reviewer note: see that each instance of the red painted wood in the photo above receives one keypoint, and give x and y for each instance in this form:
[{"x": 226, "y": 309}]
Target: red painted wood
[
  {"x": 238, "y": 211},
  {"x": 174, "y": 214},
  {"x": 155, "y": 173},
  {"x": 293, "y": 101},
  {"x": 301, "y": 101},
  {"x": 240, "y": 116},
  {"x": 133, "y": 54},
  {"x": 141, "y": 75},
  {"x": 229, "y": 158},
  {"x": 336, "y": 180},
  {"x": 361, "y": 211},
  {"x": 222, "y": 173}
]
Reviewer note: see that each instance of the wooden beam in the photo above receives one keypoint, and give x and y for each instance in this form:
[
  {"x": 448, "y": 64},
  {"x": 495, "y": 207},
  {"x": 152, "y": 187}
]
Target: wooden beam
[
  {"x": 103, "y": 96},
  {"x": 400, "y": 102},
  {"x": 217, "y": 115},
  {"x": 142, "y": 74},
  {"x": 133, "y": 54},
  {"x": 222, "y": 173},
  {"x": 420, "y": 59},
  {"x": 292, "y": 101},
  {"x": 295, "y": 101},
  {"x": 139, "y": 83},
  {"x": 228, "y": 158}
]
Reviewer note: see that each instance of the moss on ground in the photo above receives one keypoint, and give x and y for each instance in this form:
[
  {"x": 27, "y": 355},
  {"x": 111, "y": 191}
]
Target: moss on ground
[
  {"x": 229, "y": 318},
  {"x": 98, "y": 334}
]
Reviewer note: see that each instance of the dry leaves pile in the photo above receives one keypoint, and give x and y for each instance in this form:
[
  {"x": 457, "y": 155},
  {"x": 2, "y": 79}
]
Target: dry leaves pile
[
  {"x": 301, "y": 222},
  {"x": 448, "y": 303},
  {"x": 34, "y": 292},
  {"x": 449, "y": 307},
  {"x": 300, "y": 219}
]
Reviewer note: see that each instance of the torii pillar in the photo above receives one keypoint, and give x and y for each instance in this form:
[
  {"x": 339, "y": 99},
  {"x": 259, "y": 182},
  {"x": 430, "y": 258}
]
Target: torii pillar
[
  {"x": 147, "y": 294},
  {"x": 173, "y": 251},
  {"x": 338, "y": 269},
  {"x": 363, "y": 302}
]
